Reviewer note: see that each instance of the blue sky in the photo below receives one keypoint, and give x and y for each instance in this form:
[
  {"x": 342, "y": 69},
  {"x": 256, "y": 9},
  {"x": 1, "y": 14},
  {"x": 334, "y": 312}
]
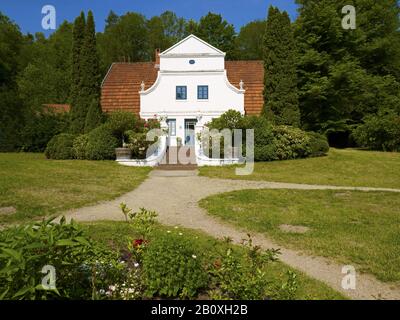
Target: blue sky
[{"x": 27, "y": 13}]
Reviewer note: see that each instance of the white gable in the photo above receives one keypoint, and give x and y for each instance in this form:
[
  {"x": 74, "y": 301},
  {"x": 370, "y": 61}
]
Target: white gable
[{"x": 192, "y": 45}]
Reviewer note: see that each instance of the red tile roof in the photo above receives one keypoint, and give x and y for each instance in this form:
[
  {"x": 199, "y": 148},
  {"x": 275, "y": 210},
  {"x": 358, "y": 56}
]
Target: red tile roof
[
  {"x": 121, "y": 86},
  {"x": 57, "y": 108}
]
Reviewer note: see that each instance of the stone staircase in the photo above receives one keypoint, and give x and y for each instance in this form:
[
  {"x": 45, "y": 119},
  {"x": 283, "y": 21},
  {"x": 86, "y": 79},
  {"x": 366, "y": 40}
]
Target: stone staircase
[{"x": 178, "y": 158}]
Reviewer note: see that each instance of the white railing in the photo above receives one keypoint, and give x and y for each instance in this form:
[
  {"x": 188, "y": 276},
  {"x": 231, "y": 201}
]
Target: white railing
[
  {"x": 203, "y": 160},
  {"x": 153, "y": 160}
]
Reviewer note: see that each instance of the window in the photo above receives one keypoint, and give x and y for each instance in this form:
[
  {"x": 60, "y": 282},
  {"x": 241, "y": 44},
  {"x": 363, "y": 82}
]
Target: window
[
  {"x": 202, "y": 92},
  {"x": 171, "y": 127},
  {"x": 181, "y": 93}
]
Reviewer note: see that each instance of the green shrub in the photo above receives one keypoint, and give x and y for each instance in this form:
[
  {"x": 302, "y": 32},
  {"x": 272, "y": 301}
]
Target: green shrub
[
  {"x": 231, "y": 119},
  {"x": 60, "y": 147},
  {"x": 381, "y": 132},
  {"x": 241, "y": 275},
  {"x": 82, "y": 268},
  {"x": 264, "y": 147},
  {"x": 173, "y": 267},
  {"x": 80, "y": 145},
  {"x": 137, "y": 142},
  {"x": 290, "y": 143},
  {"x": 38, "y": 131},
  {"x": 101, "y": 144},
  {"x": 121, "y": 121},
  {"x": 317, "y": 144}
]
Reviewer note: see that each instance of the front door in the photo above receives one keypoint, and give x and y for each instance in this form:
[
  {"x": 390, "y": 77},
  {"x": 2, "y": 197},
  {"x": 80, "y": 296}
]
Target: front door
[{"x": 190, "y": 125}]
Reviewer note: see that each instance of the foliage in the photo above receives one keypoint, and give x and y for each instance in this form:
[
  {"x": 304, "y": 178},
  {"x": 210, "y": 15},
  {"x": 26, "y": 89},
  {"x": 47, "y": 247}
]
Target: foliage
[
  {"x": 345, "y": 75},
  {"x": 379, "y": 132},
  {"x": 250, "y": 40},
  {"x": 80, "y": 265},
  {"x": 78, "y": 114},
  {"x": 11, "y": 113},
  {"x": 230, "y": 119},
  {"x": 172, "y": 267},
  {"x": 317, "y": 144},
  {"x": 121, "y": 121},
  {"x": 79, "y": 146},
  {"x": 39, "y": 130},
  {"x": 94, "y": 117},
  {"x": 290, "y": 143},
  {"x": 213, "y": 29},
  {"x": 142, "y": 221},
  {"x": 264, "y": 143},
  {"x": 60, "y": 147},
  {"x": 47, "y": 76},
  {"x": 280, "y": 79},
  {"x": 124, "y": 40},
  {"x": 101, "y": 144},
  {"x": 239, "y": 277}
]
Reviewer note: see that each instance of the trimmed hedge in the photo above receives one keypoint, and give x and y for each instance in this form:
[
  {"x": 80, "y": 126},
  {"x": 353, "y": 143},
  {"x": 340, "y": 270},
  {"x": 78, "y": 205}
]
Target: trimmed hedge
[
  {"x": 101, "y": 144},
  {"x": 79, "y": 146},
  {"x": 60, "y": 147}
]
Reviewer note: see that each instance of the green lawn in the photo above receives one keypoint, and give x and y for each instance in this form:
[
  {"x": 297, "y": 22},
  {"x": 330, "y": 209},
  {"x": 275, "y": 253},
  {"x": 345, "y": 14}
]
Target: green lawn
[
  {"x": 340, "y": 167},
  {"x": 116, "y": 235},
  {"x": 36, "y": 186},
  {"x": 356, "y": 228}
]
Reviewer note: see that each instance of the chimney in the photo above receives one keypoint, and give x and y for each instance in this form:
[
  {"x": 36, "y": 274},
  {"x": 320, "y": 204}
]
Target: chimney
[{"x": 157, "y": 58}]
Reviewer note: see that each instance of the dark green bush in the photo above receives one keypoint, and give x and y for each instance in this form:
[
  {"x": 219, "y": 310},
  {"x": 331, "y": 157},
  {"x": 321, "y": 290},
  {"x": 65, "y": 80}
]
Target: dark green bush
[
  {"x": 119, "y": 122},
  {"x": 60, "y": 147},
  {"x": 264, "y": 146},
  {"x": 80, "y": 146},
  {"x": 379, "y": 132},
  {"x": 173, "y": 267},
  {"x": 101, "y": 144},
  {"x": 82, "y": 268},
  {"x": 318, "y": 145},
  {"x": 38, "y": 131}
]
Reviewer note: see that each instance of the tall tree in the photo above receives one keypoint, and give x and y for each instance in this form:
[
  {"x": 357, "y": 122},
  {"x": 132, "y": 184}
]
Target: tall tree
[
  {"x": 11, "y": 111},
  {"x": 217, "y": 32},
  {"x": 77, "y": 113},
  {"x": 345, "y": 75},
  {"x": 124, "y": 40},
  {"x": 280, "y": 92},
  {"x": 250, "y": 41},
  {"x": 90, "y": 72}
]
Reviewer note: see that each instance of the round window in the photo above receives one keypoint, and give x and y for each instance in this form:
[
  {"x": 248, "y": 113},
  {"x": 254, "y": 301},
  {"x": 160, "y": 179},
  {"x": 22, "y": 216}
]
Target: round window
[{"x": 192, "y": 61}]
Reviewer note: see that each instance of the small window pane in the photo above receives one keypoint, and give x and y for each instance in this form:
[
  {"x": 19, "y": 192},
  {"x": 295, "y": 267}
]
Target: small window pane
[
  {"x": 202, "y": 92},
  {"x": 181, "y": 93}
]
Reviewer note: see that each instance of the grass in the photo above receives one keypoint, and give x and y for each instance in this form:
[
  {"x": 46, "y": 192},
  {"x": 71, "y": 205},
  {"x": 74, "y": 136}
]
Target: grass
[
  {"x": 358, "y": 228},
  {"x": 117, "y": 235},
  {"x": 341, "y": 167},
  {"x": 38, "y": 187}
]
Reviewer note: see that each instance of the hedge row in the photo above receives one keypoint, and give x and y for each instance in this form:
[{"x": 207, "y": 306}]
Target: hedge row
[{"x": 99, "y": 144}]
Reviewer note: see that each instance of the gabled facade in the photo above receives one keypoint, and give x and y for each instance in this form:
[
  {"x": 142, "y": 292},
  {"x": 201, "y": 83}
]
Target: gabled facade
[{"x": 188, "y": 85}]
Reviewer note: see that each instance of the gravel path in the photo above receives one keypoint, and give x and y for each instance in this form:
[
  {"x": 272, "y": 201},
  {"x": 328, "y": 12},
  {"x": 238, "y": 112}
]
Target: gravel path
[{"x": 174, "y": 196}]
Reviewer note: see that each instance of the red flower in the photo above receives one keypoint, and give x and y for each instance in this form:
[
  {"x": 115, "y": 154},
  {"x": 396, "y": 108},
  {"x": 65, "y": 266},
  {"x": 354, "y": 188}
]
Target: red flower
[
  {"x": 138, "y": 242},
  {"x": 146, "y": 125}
]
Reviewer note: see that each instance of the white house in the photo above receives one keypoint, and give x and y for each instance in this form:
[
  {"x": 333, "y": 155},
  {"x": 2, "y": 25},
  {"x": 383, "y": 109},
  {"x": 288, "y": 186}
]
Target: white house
[{"x": 188, "y": 85}]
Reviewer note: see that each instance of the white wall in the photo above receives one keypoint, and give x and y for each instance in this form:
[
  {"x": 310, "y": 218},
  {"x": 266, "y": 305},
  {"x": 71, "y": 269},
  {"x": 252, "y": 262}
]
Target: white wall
[{"x": 175, "y": 70}]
